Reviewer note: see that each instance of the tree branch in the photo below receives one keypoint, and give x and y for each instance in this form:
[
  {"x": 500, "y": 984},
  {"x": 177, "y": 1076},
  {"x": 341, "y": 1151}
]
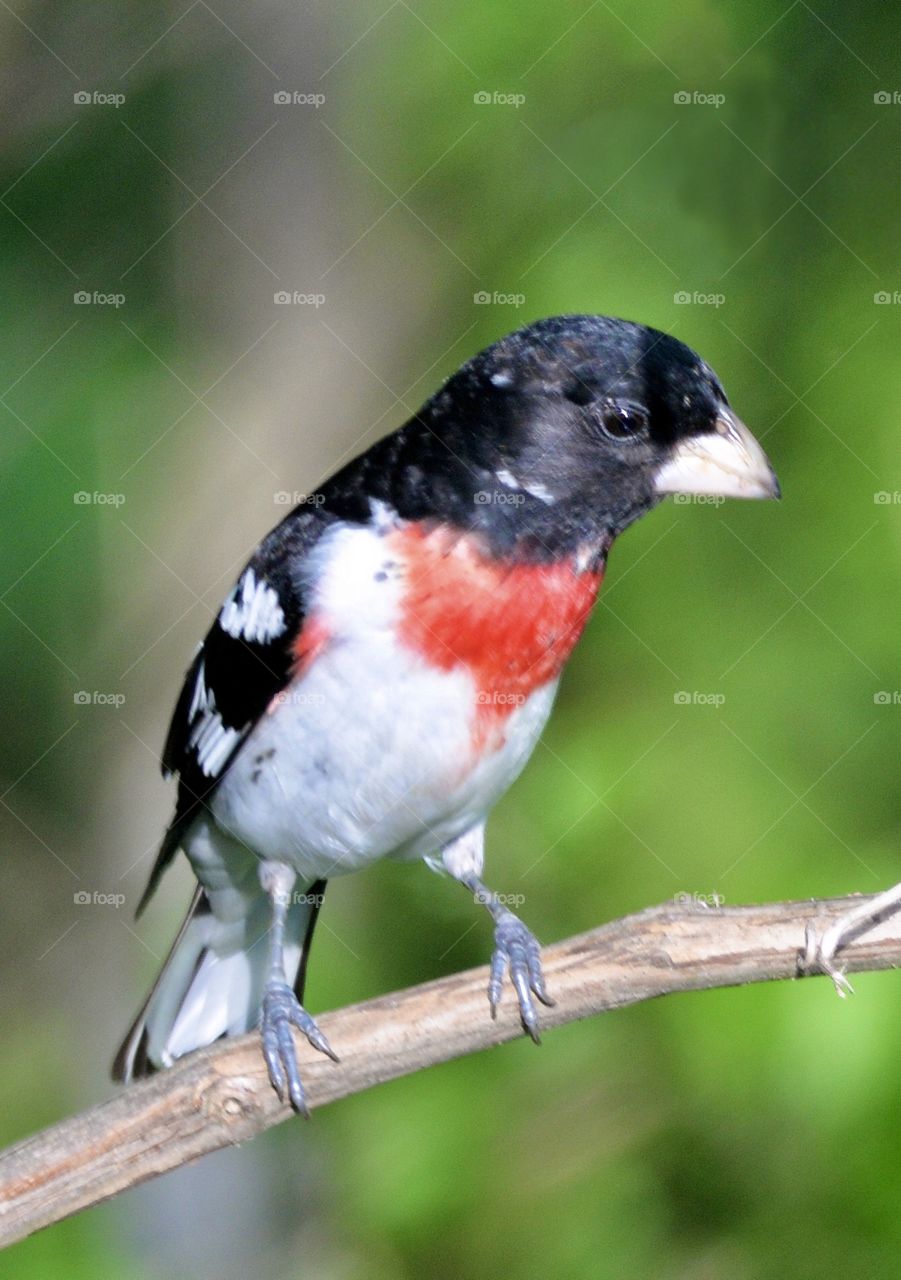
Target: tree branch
[{"x": 221, "y": 1095}]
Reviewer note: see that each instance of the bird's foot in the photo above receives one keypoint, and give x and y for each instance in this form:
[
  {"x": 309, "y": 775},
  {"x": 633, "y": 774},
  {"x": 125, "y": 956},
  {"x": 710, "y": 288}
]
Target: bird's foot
[
  {"x": 818, "y": 955},
  {"x": 282, "y": 1011},
  {"x": 516, "y": 948}
]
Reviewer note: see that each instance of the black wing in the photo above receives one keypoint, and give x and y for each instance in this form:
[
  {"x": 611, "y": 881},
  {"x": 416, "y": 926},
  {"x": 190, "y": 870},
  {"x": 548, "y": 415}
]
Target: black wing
[{"x": 245, "y": 660}]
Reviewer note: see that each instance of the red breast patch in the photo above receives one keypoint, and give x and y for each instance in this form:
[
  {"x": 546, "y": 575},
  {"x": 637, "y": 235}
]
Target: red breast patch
[
  {"x": 309, "y": 644},
  {"x": 512, "y": 625},
  {"x": 310, "y": 641}
]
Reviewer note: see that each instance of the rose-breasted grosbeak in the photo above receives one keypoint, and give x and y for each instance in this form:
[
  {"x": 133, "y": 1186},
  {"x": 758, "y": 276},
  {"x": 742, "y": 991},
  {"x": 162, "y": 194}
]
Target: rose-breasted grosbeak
[{"x": 385, "y": 663}]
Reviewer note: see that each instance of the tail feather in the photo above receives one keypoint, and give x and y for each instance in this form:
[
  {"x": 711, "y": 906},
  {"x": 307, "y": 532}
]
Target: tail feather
[{"x": 212, "y": 981}]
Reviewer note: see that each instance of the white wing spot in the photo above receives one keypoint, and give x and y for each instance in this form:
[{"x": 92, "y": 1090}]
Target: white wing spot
[
  {"x": 540, "y": 492},
  {"x": 384, "y": 517},
  {"x": 212, "y": 741},
  {"x": 252, "y": 611},
  {"x": 200, "y": 699}
]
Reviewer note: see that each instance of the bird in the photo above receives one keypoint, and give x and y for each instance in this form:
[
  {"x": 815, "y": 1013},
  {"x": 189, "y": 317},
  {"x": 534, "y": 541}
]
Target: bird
[{"x": 386, "y": 661}]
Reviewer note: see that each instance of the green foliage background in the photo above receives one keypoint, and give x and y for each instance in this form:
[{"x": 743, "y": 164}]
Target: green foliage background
[{"x": 743, "y": 1133}]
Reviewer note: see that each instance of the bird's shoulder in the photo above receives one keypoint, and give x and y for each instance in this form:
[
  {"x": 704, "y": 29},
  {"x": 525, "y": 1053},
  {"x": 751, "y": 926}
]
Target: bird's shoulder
[{"x": 247, "y": 656}]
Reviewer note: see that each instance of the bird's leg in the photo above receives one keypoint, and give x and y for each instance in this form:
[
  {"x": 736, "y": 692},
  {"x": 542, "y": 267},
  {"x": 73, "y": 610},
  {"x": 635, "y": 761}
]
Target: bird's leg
[
  {"x": 819, "y": 952},
  {"x": 281, "y": 1009},
  {"x": 515, "y": 947}
]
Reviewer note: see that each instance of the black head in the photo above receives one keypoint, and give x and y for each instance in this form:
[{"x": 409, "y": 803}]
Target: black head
[{"x": 567, "y": 431}]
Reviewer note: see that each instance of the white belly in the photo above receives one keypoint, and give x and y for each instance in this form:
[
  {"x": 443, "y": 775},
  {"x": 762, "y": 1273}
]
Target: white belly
[{"x": 371, "y": 754}]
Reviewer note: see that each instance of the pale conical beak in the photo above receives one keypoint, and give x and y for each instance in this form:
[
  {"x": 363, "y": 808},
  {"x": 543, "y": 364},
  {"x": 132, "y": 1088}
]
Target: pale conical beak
[{"x": 727, "y": 462}]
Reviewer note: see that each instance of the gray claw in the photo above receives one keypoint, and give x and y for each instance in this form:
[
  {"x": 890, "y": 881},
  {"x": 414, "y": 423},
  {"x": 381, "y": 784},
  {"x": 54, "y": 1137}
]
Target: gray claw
[
  {"x": 819, "y": 956},
  {"x": 516, "y": 948},
  {"x": 282, "y": 1010}
]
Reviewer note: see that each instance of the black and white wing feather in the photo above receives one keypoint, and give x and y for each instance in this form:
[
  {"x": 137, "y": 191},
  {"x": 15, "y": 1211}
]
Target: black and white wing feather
[{"x": 245, "y": 660}]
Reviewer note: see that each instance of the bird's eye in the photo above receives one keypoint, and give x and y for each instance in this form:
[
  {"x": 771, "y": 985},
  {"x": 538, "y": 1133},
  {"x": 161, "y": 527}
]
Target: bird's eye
[{"x": 623, "y": 421}]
